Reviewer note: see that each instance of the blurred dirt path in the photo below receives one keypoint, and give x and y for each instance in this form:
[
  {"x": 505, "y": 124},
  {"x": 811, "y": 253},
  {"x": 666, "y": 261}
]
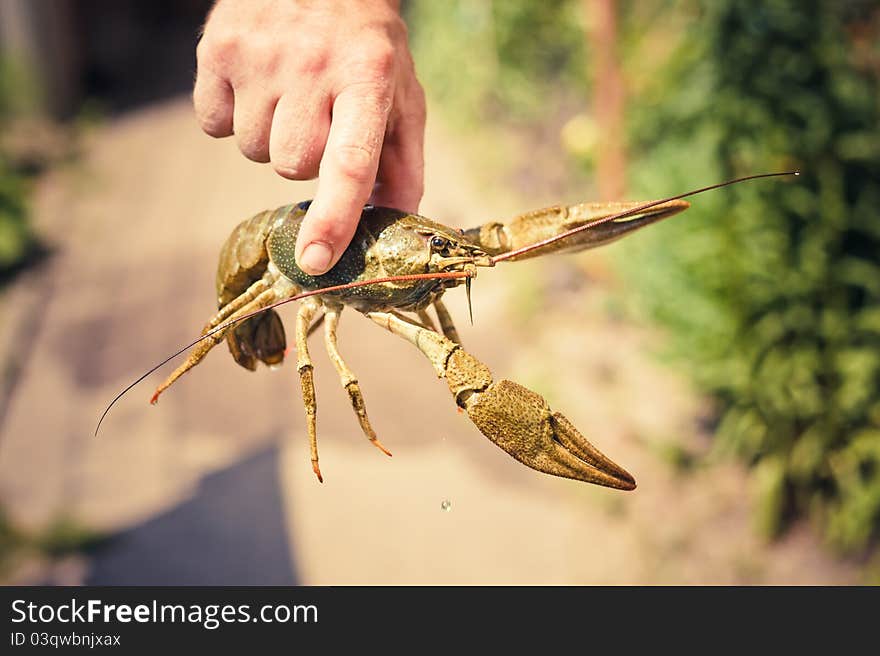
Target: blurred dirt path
[{"x": 138, "y": 224}]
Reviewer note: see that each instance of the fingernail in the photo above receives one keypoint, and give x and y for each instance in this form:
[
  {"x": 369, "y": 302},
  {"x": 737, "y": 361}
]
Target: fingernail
[{"x": 315, "y": 259}]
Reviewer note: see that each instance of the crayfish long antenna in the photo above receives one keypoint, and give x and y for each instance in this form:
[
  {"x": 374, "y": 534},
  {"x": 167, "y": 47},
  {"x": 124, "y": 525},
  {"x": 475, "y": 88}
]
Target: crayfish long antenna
[
  {"x": 223, "y": 326},
  {"x": 140, "y": 378},
  {"x": 630, "y": 212}
]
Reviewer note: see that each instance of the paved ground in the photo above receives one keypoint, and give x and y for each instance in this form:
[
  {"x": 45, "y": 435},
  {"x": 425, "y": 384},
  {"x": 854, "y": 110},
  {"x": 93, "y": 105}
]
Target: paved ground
[{"x": 214, "y": 484}]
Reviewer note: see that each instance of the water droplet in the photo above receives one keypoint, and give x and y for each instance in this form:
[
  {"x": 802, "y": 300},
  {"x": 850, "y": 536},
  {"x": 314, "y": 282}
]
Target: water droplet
[{"x": 446, "y": 505}]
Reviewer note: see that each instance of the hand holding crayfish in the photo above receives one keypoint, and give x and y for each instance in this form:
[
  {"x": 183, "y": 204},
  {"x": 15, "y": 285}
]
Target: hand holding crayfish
[
  {"x": 330, "y": 82},
  {"x": 397, "y": 266}
]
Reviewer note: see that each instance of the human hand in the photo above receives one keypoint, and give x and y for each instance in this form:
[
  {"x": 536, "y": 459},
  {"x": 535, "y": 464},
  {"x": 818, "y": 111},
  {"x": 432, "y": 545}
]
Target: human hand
[{"x": 322, "y": 88}]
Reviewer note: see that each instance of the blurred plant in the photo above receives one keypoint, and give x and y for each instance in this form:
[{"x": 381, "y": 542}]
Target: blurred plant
[
  {"x": 16, "y": 239},
  {"x": 17, "y": 242},
  {"x": 62, "y": 536},
  {"x": 11, "y": 541},
  {"x": 509, "y": 76},
  {"x": 486, "y": 60},
  {"x": 771, "y": 291}
]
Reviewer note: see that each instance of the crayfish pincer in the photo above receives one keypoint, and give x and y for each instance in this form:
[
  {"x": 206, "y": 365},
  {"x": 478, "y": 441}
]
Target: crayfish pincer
[
  {"x": 396, "y": 266},
  {"x": 512, "y": 416}
]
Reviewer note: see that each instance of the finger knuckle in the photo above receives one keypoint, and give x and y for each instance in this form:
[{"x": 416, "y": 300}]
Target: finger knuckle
[
  {"x": 356, "y": 162},
  {"x": 214, "y": 122},
  {"x": 268, "y": 60},
  {"x": 311, "y": 60},
  {"x": 254, "y": 148},
  {"x": 375, "y": 100},
  {"x": 218, "y": 53},
  {"x": 382, "y": 59},
  {"x": 375, "y": 60},
  {"x": 295, "y": 155},
  {"x": 296, "y": 168},
  {"x": 213, "y": 112}
]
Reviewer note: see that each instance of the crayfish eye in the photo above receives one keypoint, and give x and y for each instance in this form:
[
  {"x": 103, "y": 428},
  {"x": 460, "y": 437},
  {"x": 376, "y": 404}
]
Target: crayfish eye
[{"x": 438, "y": 243}]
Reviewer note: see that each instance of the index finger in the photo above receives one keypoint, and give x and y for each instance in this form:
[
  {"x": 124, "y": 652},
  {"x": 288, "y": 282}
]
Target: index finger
[{"x": 346, "y": 176}]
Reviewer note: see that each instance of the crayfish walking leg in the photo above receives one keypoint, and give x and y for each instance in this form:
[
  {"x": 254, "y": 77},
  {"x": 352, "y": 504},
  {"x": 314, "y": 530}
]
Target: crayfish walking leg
[
  {"x": 347, "y": 377},
  {"x": 305, "y": 368},
  {"x": 445, "y": 320}
]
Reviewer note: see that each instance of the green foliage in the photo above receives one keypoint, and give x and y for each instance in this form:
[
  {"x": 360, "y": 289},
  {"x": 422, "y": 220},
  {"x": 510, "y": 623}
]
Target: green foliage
[
  {"x": 771, "y": 290},
  {"x": 16, "y": 240},
  {"x": 15, "y": 237},
  {"x": 62, "y": 536},
  {"x": 11, "y": 541},
  {"x": 478, "y": 56}
]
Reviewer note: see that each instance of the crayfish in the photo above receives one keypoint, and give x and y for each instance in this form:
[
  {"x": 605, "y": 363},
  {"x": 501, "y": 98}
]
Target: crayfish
[{"x": 396, "y": 267}]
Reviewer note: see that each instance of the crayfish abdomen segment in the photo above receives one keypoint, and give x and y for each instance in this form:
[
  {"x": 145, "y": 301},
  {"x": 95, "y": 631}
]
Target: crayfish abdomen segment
[
  {"x": 244, "y": 259},
  {"x": 244, "y": 256}
]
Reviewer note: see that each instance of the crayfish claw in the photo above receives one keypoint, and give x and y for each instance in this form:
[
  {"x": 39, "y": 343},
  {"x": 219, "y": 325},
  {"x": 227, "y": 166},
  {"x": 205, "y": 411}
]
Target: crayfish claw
[
  {"x": 512, "y": 416},
  {"x": 570, "y": 441},
  {"x": 520, "y": 421}
]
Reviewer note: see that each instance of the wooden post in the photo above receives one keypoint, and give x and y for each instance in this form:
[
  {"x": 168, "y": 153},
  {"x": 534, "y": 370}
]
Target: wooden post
[
  {"x": 39, "y": 38},
  {"x": 608, "y": 100}
]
